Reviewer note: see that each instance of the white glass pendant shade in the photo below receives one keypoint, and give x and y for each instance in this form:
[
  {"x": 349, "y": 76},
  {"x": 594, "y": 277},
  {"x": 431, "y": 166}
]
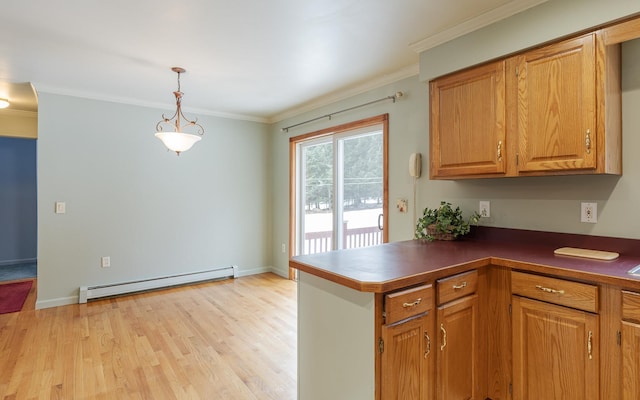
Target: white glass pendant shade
[
  {"x": 178, "y": 141},
  {"x": 4, "y": 103}
]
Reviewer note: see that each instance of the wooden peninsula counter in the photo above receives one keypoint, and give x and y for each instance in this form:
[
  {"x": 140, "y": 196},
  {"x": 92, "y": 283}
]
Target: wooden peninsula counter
[{"x": 458, "y": 320}]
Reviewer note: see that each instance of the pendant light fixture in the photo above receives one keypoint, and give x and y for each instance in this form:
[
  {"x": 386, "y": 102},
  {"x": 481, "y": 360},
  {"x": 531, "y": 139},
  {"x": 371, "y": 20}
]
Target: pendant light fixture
[
  {"x": 174, "y": 138},
  {"x": 4, "y": 103}
]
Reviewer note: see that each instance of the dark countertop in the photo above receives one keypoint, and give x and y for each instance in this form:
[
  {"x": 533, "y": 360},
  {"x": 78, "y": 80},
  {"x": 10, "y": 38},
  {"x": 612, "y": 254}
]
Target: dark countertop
[{"x": 396, "y": 265}]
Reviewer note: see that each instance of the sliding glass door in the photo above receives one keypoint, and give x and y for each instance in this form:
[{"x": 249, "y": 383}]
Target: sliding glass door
[{"x": 340, "y": 181}]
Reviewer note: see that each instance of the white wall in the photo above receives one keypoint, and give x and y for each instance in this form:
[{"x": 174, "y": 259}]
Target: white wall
[
  {"x": 537, "y": 203},
  {"x": 152, "y": 212}
]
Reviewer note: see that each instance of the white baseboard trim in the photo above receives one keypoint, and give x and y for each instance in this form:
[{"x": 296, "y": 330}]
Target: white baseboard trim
[
  {"x": 262, "y": 270},
  {"x": 60, "y": 301},
  {"x": 254, "y": 271},
  {"x": 280, "y": 272},
  {"x": 64, "y": 301}
]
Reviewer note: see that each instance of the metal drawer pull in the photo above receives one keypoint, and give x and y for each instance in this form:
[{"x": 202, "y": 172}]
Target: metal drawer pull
[
  {"x": 587, "y": 141},
  {"x": 415, "y": 303},
  {"x": 590, "y": 345},
  {"x": 460, "y": 286},
  {"x": 500, "y": 150},
  {"x": 444, "y": 337},
  {"x": 548, "y": 290},
  {"x": 428, "y": 339}
]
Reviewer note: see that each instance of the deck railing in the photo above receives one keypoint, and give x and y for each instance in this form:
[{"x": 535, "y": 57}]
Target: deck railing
[{"x": 319, "y": 242}]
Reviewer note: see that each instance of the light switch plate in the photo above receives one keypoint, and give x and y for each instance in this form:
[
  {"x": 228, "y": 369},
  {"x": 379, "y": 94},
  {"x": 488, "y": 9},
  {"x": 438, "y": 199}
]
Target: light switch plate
[
  {"x": 401, "y": 204},
  {"x": 61, "y": 207}
]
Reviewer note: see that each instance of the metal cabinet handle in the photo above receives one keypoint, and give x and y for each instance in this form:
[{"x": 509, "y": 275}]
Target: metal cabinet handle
[
  {"x": 548, "y": 290},
  {"x": 412, "y": 304},
  {"x": 590, "y": 345},
  {"x": 444, "y": 337},
  {"x": 428, "y": 339},
  {"x": 500, "y": 150},
  {"x": 460, "y": 286},
  {"x": 587, "y": 141}
]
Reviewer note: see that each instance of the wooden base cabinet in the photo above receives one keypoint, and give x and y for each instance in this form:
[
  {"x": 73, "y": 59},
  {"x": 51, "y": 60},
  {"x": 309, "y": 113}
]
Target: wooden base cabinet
[
  {"x": 555, "y": 352},
  {"x": 405, "y": 345},
  {"x": 457, "y": 361},
  {"x": 407, "y": 360},
  {"x": 630, "y": 361},
  {"x": 426, "y": 355},
  {"x": 630, "y": 341},
  {"x": 556, "y": 336}
]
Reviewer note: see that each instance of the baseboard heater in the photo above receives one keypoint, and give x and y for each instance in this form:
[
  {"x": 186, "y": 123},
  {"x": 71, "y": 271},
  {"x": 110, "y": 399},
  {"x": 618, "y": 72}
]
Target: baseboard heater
[{"x": 95, "y": 292}]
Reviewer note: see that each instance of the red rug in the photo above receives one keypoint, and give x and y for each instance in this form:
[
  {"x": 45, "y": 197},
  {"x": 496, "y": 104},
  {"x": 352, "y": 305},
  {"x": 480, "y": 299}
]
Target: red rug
[{"x": 13, "y": 295}]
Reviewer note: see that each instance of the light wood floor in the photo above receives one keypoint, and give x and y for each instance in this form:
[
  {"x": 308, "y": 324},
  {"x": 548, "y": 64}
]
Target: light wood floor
[{"x": 231, "y": 339}]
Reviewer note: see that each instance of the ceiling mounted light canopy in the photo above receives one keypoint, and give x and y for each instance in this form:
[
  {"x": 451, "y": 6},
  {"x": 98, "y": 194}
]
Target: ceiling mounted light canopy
[
  {"x": 4, "y": 103},
  {"x": 174, "y": 138}
]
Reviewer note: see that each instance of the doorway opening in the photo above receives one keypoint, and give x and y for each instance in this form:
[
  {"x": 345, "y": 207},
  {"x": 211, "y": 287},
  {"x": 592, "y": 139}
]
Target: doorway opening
[{"x": 18, "y": 197}]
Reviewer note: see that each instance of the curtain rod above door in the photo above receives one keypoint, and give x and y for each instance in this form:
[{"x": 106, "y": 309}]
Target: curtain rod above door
[{"x": 394, "y": 97}]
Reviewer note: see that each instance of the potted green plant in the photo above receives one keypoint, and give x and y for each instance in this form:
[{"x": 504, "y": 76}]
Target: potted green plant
[{"x": 444, "y": 223}]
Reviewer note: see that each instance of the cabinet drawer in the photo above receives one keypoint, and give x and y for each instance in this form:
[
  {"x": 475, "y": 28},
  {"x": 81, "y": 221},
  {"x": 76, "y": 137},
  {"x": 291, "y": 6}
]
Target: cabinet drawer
[
  {"x": 631, "y": 306},
  {"x": 407, "y": 303},
  {"x": 557, "y": 291},
  {"x": 457, "y": 286}
]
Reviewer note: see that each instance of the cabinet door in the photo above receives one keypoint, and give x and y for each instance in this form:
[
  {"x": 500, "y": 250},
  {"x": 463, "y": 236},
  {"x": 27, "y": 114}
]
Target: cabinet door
[
  {"x": 407, "y": 360},
  {"x": 555, "y": 352},
  {"x": 630, "y": 361},
  {"x": 557, "y": 107},
  {"x": 468, "y": 122},
  {"x": 458, "y": 343}
]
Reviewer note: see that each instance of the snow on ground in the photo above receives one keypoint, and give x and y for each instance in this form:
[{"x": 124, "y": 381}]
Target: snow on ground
[{"x": 320, "y": 222}]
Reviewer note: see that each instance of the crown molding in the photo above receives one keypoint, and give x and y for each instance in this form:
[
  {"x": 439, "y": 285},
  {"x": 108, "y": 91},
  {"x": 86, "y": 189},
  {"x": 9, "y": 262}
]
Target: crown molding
[
  {"x": 486, "y": 19},
  {"x": 406, "y": 72},
  {"x": 44, "y": 88}
]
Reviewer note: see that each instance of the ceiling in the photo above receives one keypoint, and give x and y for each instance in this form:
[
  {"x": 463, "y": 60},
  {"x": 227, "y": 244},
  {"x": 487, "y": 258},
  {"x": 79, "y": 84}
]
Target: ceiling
[{"x": 261, "y": 60}]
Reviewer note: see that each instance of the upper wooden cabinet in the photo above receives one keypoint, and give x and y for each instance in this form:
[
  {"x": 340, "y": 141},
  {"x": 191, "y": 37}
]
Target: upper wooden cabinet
[
  {"x": 557, "y": 107},
  {"x": 554, "y": 110},
  {"x": 468, "y": 122}
]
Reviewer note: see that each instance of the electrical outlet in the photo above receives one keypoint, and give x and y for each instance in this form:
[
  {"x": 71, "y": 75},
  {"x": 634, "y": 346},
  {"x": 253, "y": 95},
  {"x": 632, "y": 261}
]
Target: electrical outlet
[
  {"x": 284, "y": 248},
  {"x": 485, "y": 209},
  {"x": 589, "y": 212},
  {"x": 61, "y": 207},
  {"x": 105, "y": 262}
]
